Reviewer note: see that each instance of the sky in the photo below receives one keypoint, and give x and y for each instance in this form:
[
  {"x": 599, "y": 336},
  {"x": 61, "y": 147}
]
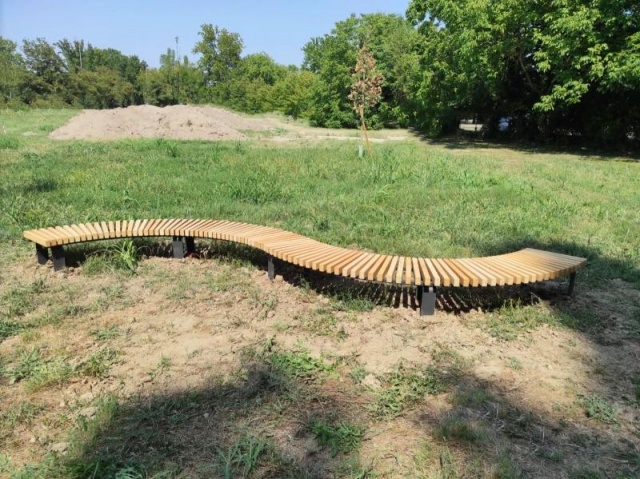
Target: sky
[{"x": 146, "y": 28}]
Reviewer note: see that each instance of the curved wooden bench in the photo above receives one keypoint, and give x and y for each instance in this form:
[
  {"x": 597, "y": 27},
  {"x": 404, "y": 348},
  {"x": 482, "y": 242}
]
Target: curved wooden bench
[{"x": 525, "y": 266}]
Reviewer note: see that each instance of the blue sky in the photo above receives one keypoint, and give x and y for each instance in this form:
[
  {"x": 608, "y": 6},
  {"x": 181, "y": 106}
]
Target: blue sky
[{"x": 147, "y": 28}]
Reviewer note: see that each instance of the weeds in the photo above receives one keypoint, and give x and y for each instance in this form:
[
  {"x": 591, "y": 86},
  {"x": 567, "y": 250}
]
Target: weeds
[
  {"x": 598, "y": 408},
  {"x": 242, "y": 457},
  {"x": 99, "y": 363},
  {"x": 339, "y": 438},
  {"x": 404, "y": 387},
  {"x": 299, "y": 364}
]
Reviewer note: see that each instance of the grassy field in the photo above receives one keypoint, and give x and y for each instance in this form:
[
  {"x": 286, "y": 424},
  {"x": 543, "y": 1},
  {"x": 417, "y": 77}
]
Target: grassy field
[{"x": 131, "y": 365}]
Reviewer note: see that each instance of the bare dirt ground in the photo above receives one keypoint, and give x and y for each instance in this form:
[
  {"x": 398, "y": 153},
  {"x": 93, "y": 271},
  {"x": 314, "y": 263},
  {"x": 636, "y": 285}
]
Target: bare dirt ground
[
  {"x": 181, "y": 327},
  {"x": 184, "y": 122}
]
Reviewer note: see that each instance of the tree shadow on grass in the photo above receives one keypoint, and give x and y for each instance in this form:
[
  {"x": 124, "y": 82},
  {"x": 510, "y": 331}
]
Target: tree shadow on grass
[
  {"x": 268, "y": 422},
  {"x": 487, "y": 429},
  {"x": 471, "y": 141}
]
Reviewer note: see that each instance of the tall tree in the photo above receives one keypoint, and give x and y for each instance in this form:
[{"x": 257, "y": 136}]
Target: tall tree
[
  {"x": 12, "y": 68},
  {"x": 220, "y": 52},
  {"x": 553, "y": 67},
  {"x": 395, "y": 46}
]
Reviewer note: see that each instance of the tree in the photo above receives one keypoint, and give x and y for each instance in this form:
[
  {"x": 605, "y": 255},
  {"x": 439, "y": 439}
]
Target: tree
[
  {"x": 46, "y": 66},
  {"x": 554, "y": 68},
  {"x": 395, "y": 46},
  {"x": 366, "y": 89},
  {"x": 220, "y": 50},
  {"x": 12, "y": 68}
]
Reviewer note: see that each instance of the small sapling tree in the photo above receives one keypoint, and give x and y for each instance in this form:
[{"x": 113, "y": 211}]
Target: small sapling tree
[{"x": 366, "y": 89}]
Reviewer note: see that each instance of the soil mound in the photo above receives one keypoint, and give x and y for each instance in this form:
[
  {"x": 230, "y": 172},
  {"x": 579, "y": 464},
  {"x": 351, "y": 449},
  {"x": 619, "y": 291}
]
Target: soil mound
[{"x": 145, "y": 121}]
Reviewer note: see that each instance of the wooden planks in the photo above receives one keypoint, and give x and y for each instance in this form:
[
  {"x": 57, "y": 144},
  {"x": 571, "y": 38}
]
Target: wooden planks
[{"x": 525, "y": 266}]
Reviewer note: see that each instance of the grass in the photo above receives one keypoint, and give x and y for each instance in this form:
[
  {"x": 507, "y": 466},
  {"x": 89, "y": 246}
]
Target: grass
[
  {"x": 560, "y": 203},
  {"x": 339, "y": 438},
  {"x": 404, "y": 387},
  {"x": 599, "y": 408},
  {"x": 439, "y": 408}
]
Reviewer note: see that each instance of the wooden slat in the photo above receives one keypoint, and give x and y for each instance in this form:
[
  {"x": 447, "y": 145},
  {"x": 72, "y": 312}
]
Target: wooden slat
[
  {"x": 560, "y": 264},
  {"x": 167, "y": 229},
  {"x": 305, "y": 259},
  {"x": 465, "y": 279},
  {"x": 507, "y": 276},
  {"x": 80, "y": 235},
  {"x": 392, "y": 267},
  {"x": 541, "y": 273},
  {"x": 320, "y": 261},
  {"x": 373, "y": 270},
  {"x": 362, "y": 270},
  {"x": 339, "y": 261},
  {"x": 408, "y": 273},
  {"x": 430, "y": 275},
  {"x": 321, "y": 252},
  {"x": 417, "y": 274},
  {"x": 398, "y": 274},
  {"x": 36, "y": 237},
  {"x": 446, "y": 274},
  {"x": 483, "y": 278},
  {"x": 354, "y": 265},
  {"x": 380, "y": 275},
  {"x": 93, "y": 234},
  {"x": 528, "y": 276}
]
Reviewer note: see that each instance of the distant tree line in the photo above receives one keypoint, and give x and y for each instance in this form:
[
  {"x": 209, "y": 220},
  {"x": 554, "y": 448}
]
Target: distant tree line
[{"x": 559, "y": 70}]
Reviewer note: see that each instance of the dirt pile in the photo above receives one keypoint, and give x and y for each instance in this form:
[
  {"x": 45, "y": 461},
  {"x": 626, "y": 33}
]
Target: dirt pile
[{"x": 145, "y": 121}]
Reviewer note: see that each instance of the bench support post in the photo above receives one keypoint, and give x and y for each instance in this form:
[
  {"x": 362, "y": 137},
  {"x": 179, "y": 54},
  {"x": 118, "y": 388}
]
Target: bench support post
[
  {"x": 191, "y": 244},
  {"x": 572, "y": 283},
  {"x": 178, "y": 247},
  {"x": 426, "y": 296},
  {"x": 58, "y": 258},
  {"x": 42, "y": 254},
  {"x": 271, "y": 270}
]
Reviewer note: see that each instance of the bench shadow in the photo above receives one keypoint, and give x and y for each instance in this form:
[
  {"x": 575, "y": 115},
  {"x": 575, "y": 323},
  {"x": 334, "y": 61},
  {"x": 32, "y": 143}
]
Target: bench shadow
[{"x": 361, "y": 295}]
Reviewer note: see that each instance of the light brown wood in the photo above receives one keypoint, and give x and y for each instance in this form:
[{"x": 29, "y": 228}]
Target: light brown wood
[
  {"x": 392, "y": 267},
  {"x": 523, "y": 266},
  {"x": 417, "y": 274},
  {"x": 373, "y": 270}
]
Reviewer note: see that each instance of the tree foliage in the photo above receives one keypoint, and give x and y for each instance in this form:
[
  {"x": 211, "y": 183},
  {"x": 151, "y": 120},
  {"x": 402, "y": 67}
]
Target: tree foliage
[
  {"x": 366, "y": 89},
  {"x": 557, "y": 68},
  {"x": 394, "y": 45}
]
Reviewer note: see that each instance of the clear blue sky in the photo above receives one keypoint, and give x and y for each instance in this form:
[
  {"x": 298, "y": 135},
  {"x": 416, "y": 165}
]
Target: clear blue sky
[{"x": 147, "y": 28}]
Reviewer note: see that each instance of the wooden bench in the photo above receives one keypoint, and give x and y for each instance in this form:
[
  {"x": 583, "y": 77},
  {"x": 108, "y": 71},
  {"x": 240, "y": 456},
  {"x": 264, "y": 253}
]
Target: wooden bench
[{"x": 525, "y": 266}]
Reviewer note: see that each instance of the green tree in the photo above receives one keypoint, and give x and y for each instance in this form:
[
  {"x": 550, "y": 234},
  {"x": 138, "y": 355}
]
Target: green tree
[
  {"x": 220, "y": 52},
  {"x": 556, "y": 68},
  {"x": 12, "y": 67},
  {"x": 395, "y": 46},
  {"x": 46, "y": 67}
]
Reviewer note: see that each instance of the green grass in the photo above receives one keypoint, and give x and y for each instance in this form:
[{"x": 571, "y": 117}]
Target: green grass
[
  {"x": 404, "y": 387},
  {"x": 599, "y": 408},
  {"x": 407, "y": 198},
  {"x": 339, "y": 438}
]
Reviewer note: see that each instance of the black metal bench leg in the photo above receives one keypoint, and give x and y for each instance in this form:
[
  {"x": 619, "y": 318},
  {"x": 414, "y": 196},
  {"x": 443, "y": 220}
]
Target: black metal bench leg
[
  {"x": 58, "y": 258},
  {"x": 191, "y": 244},
  {"x": 572, "y": 283},
  {"x": 178, "y": 247},
  {"x": 271, "y": 270},
  {"x": 427, "y": 299},
  {"x": 42, "y": 253}
]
